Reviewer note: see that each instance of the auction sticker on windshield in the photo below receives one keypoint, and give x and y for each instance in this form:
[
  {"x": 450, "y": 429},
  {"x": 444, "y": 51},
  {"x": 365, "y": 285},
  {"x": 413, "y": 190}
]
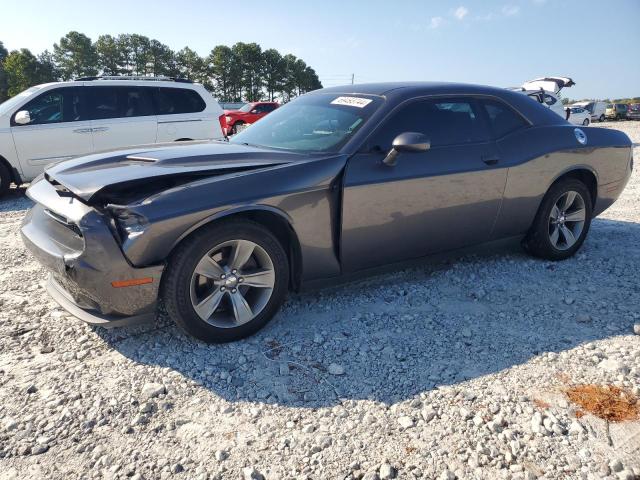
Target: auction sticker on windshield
[{"x": 352, "y": 101}]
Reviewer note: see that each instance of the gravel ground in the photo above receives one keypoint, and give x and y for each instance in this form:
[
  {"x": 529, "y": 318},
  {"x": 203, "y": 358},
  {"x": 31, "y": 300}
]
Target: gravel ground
[{"x": 452, "y": 370}]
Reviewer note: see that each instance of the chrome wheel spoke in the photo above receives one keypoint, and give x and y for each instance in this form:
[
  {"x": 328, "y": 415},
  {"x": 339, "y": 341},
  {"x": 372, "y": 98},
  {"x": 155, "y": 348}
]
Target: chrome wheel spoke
[
  {"x": 568, "y": 235},
  {"x": 569, "y": 198},
  {"x": 576, "y": 216},
  {"x": 241, "y": 309},
  {"x": 555, "y": 212},
  {"x": 241, "y": 253},
  {"x": 261, "y": 279},
  {"x": 555, "y": 234},
  {"x": 208, "y": 305},
  {"x": 208, "y": 267}
]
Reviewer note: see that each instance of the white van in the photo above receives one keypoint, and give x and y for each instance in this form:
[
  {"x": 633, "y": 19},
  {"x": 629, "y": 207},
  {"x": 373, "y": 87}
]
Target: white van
[
  {"x": 596, "y": 109},
  {"x": 57, "y": 121}
]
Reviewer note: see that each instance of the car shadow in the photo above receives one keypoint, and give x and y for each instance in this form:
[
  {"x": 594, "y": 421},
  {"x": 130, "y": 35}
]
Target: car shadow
[
  {"x": 15, "y": 200},
  {"x": 396, "y": 335}
]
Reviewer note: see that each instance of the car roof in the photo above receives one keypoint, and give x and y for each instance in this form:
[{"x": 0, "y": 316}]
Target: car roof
[{"x": 397, "y": 92}]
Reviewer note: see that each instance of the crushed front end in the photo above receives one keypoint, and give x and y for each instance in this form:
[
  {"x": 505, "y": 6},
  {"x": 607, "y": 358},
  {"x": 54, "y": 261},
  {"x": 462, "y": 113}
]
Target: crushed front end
[{"x": 89, "y": 275}]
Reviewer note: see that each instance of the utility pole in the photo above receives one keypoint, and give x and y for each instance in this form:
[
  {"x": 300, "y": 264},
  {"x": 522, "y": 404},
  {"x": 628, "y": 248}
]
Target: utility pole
[{"x": 352, "y": 77}]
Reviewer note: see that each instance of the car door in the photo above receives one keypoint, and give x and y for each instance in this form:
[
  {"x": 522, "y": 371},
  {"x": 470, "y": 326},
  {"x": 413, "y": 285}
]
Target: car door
[
  {"x": 58, "y": 130},
  {"x": 121, "y": 116},
  {"x": 441, "y": 199},
  {"x": 181, "y": 115}
]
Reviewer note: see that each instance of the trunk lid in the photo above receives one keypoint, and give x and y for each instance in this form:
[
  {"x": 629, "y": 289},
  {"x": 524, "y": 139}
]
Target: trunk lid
[{"x": 549, "y": 84}]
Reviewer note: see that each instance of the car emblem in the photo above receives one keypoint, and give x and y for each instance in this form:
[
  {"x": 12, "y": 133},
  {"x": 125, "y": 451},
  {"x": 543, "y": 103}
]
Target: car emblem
[{"x": 580, "y": 136}]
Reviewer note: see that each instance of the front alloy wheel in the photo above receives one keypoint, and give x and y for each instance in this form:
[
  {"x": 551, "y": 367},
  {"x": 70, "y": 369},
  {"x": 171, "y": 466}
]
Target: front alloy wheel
[
  {"x": 226, "y": 280},
  {"x": 232, "y": 283}
]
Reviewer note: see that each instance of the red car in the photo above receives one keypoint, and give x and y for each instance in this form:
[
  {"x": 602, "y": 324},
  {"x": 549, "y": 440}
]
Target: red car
[{"x": 249, "y": 113}]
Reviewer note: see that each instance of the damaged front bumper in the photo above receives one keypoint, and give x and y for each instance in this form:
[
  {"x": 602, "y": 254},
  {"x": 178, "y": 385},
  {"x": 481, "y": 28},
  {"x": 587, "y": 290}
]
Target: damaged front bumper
[{"x": 76, "y": 243}]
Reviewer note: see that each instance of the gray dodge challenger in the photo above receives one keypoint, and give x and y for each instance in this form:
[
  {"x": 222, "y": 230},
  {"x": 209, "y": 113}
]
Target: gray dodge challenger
[{"x": 337, "y": 182}]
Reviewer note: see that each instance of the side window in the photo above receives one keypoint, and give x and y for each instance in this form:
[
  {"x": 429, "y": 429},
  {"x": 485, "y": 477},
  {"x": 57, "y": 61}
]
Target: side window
[
  {"x": 179, "y": 100},
  {"x": 55, "y": 106},
  {"x": 118, "y": 102},
  {"x": 269, "y": 107},
  {"x": 449, "y": 121},
  {"x": 502, "y": 118},
  {"x": 549, "y": 100}
]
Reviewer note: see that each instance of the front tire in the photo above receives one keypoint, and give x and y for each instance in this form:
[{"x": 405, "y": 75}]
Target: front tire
[
  {"x": 602, "y": 118},
  {"x": 562, "y": 222},
  {"x": 585, "y": 122},
  {"x": 234, "y": 128},
  {"x": 5, "y": 179},
  {"x": 226, "y": 281}
]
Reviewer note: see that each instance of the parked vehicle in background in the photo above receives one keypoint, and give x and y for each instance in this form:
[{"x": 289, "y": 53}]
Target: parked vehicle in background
[
  {"x": 596, "y": 109},
  {"x": 331, "y": 184},
  {"x": 57, "y": 121},
  {"x": 616, "y": 111},
  {"x": 579, "y": 116},
  {"x": 546, "y": 91},
  {"x": 232, "y": 105},
  {"x": 633, "y": 111},
  {"x": 248, "y": 114}
]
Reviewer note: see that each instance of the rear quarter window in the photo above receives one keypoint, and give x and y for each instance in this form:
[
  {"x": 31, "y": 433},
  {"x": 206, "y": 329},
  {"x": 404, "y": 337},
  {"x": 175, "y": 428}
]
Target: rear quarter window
[
  {"x": 171, "y": 101},
  {"x": 502, "y": 118}
]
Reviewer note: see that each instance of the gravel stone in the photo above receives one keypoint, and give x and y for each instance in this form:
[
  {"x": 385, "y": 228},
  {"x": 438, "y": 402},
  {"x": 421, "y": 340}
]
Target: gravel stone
[{"x": 451, "y": 369}]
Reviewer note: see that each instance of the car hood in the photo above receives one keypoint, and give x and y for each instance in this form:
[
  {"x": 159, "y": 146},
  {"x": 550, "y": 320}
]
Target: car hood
[
  {"x": 549, "y": 84},
  {"x": 91, "y": 176}
]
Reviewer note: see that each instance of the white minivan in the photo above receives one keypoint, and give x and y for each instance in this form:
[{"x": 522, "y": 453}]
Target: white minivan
[
  {"x": 57, "y": 121},
  {"x": 596, "y": 109}
]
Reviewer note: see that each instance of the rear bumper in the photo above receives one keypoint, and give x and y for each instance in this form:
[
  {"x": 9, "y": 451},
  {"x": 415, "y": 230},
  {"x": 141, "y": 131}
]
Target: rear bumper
[
  {"x": 633, "y": 116},
  {"x": 84, "y": 259}
]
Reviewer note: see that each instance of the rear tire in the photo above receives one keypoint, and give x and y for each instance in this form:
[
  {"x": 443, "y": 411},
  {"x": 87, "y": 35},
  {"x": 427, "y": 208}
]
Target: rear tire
[
  {"x": 211, "y": 289},
  {"x": 5, "y": 179},
  {"x": 560, "y": 228},
  {"x": 602, "y": 118},
  {"x": 234, "y": 128}
]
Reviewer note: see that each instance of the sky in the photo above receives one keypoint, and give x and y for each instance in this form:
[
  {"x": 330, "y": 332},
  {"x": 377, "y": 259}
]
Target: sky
[{"x": 493, "y": 42}]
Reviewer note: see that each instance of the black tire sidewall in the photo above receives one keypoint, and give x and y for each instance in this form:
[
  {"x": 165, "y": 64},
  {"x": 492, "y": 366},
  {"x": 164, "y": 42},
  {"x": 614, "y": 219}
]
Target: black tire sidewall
[
  {"x": 538, "y": 241},
  {"x": 175, "y": 289},
  {"x": 5, "y": 179}
]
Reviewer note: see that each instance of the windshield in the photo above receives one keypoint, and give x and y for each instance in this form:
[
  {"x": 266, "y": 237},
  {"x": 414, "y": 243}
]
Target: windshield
[
  {"x": 312, "y": 123},
  {"x": 247, "y": 108},
  {"x": 8, "y": 105}
]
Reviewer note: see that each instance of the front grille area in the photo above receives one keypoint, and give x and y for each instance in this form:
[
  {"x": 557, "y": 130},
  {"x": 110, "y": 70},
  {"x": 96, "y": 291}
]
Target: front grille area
[{"x": 64, "y": 221}]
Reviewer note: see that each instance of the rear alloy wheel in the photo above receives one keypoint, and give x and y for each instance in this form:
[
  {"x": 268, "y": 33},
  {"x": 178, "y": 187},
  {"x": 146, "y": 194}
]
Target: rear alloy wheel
[
  {"x": 585, "y": 122},
  {"x": 562, "y": 221},
  {"x": 226, "y": 282}
]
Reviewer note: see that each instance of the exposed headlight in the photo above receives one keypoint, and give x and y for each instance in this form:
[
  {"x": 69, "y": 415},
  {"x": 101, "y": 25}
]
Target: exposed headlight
[
  {"x": 228, "y": 119},
  {"x": 130, "y": 224}
]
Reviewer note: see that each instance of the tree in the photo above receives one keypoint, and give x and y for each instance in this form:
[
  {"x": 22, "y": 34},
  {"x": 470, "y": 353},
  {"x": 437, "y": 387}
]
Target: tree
[
  {"x": 221, "y": 66},
  {"x": 140, "y": 50},
  {"x": 47, "y": 70},
  {"x": 250, "y": 59},
  {"x": 110, "y": 57},
  {"x": 21, "y": 69},
  {"x": 190, "y": 65},
  {"x": 273, "y": 71},
  {"x": 75, "y": 56},
  {"x": 161, "y": 60},
  {"x": 3, "y": 77}
]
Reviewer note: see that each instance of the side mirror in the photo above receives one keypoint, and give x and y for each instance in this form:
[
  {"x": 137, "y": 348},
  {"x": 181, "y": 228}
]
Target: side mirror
[
  {"x": 407, "y": 142},
  {"x": 22, "y": 117}
]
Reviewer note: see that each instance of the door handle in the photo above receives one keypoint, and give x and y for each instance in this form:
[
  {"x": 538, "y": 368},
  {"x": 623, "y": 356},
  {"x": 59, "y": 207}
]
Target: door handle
[
  {"x": 83, "y": 130},
  {"x": 490, "y": 159},
  {"x": 100, "y": 129}
]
